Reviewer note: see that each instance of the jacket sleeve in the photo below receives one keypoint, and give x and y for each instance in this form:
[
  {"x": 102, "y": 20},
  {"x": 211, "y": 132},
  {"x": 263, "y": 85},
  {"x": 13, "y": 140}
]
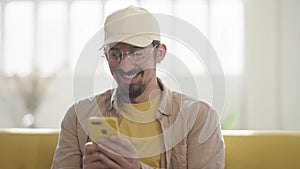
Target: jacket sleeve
[
  {"x": 68, "y": 154},
  {"x": 205, "y": 145}
]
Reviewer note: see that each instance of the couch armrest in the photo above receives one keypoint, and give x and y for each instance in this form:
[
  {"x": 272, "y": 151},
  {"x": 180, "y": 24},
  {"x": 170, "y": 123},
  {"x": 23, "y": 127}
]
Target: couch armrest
[{"x": 255, "y": 149}]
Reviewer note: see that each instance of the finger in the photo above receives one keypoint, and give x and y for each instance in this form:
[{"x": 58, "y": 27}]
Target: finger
[
  {"x": 114, "y": 154},
  {"x": 90, "y": 158},
  {"x": 112, "y": 160},
  {"x": 127, "y": 147},
  {"x": 94, "y": 165},
  {"x": 90, "y": 148},
  {"x": 115, "y": 148},
  {"x": 123, "y": 142},
  {"x": 118, "y": 159},
  {"x": 93, "y": 161},
  {"x": 120, "y": 146}
]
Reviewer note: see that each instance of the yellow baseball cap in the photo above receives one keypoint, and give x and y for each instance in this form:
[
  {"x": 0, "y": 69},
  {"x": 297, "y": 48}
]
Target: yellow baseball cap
[{"x": 133, "y": 25}]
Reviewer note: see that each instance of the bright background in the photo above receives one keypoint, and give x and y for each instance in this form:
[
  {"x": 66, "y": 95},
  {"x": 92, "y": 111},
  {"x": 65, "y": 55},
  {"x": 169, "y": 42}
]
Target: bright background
[{"x": 257, "y": 41}]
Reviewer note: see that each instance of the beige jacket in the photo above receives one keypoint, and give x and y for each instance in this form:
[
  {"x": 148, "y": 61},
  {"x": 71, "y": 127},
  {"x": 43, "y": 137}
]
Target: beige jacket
[{"x": 191, "y": 131}]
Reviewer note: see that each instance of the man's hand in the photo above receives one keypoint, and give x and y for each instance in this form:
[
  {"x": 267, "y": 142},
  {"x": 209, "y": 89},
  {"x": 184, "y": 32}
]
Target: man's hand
[
  {"x": 92, "y": 157},
  {"x": 114, "y": 153}
]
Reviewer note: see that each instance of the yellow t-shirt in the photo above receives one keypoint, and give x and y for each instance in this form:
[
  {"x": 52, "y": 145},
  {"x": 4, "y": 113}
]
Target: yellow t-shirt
[{"x": 139, "y": 124}]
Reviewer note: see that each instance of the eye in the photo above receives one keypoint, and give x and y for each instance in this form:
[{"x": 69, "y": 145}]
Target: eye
[
  {"x": 138, "y": 53},
  {"x": 115, "y": 54}
]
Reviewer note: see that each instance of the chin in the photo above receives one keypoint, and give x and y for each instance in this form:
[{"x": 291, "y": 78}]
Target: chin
[{"x": 132, "y": 90}]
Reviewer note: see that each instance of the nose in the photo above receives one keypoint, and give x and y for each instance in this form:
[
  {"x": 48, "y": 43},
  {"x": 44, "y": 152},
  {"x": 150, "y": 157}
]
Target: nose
[{"x": 125, "y": 63}]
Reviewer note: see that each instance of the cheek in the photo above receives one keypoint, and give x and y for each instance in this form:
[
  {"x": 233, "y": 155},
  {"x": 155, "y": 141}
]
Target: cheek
[
  {"x": 149, "y": 69},
  {"x": 112, "y": 69},
  {"x": 148, "y": 74},
  {"x": 149, "y": 65}
]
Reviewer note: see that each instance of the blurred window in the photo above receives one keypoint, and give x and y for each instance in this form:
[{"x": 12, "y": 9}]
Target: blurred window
[{"x": 49, "y": 35}]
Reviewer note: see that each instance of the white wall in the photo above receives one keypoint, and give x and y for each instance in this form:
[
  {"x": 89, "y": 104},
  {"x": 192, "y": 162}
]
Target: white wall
[
  {"x": 272, "y": 64},
  {"x": 290, "y": 64}
]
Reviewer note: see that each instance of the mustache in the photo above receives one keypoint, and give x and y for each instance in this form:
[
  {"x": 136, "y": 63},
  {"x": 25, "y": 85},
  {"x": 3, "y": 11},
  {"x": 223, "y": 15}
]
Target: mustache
[{"x": 131, "y": 72}]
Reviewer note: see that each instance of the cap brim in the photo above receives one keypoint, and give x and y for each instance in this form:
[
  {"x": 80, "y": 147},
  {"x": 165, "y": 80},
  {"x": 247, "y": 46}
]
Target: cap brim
[{"x": 137, "y": 40}]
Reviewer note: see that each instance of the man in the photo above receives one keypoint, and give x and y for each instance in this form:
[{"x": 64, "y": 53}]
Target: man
[{"x": 159, "y": 128}]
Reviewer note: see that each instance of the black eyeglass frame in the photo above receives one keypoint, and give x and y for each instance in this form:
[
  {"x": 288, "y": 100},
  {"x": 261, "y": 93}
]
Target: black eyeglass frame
[{"x": 136, "y": 55}]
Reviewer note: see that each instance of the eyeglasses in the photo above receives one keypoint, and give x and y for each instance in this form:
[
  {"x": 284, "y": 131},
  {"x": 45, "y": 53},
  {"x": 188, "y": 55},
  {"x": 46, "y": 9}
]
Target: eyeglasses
[{"x": 135, "y": 55}]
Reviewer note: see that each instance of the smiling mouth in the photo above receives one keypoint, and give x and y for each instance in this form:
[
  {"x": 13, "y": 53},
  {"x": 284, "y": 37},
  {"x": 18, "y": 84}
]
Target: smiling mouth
[{"x": 130, "y": 76}]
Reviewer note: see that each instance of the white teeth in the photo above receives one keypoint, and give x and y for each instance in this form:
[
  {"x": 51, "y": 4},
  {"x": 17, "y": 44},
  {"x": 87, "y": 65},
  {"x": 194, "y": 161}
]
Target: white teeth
[{"x": 130, "y": 76}]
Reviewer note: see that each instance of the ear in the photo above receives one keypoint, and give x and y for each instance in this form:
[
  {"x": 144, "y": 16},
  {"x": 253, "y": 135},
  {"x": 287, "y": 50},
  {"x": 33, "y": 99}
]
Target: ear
[
  {"x": 105, "y": 52},
  {"x": 160, "y": 53}
]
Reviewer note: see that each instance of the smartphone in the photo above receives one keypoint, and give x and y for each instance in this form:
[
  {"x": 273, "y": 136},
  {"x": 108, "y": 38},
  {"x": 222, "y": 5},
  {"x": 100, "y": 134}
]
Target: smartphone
[{"x": 102, "y": 127}]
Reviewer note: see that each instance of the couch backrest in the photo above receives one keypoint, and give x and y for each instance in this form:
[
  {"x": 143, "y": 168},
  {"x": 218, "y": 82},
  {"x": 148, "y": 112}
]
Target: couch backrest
[
  {"x": 34, "y": 149},
  {"x": 27, "y": 148}
]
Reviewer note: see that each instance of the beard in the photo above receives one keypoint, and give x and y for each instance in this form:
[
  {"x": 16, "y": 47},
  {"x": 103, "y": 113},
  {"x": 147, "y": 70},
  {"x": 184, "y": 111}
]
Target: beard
[{"x": 131, "y": 90}]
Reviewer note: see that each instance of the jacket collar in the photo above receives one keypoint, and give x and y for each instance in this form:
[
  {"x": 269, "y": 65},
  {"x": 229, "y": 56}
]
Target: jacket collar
[{"x": 165, "y": 105}]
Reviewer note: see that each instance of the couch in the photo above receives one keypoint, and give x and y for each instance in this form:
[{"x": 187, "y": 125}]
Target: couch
[{"x": 245, "y": 149}]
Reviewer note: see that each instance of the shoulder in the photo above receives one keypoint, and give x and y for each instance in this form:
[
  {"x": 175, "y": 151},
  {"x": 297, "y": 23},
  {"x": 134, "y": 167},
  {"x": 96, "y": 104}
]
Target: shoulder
[
  {"x": 186, "y": 102},
  {"x": 90, "y": 103},
  {"x": 77, "y": 115},
  {"x": 201, "y": 117},
  {"x": 192, "y": 109},
  {"x": 89, "y": 106}
]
